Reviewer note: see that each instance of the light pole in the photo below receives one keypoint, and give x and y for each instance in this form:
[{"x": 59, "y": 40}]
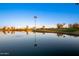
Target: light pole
[{"x": 35, "y": 17}]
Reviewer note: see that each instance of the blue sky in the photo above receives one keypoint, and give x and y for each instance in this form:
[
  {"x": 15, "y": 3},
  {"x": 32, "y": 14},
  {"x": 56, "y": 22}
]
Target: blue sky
[{"x": 48, "y": 14}]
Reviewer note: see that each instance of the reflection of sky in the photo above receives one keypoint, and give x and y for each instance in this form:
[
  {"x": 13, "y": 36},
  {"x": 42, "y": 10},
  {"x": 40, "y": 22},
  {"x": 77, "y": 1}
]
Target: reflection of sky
[
  {"x": 48, "y": 14},
  {"x": 47, "y": 44}
]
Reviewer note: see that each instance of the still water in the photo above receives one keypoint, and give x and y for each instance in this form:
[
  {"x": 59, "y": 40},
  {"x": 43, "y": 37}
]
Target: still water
[{"x": 38, "y": 44}]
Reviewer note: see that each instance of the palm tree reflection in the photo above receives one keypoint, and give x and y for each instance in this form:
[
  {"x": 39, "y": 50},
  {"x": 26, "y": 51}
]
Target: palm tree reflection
[
  {"x": 27, "y": 33},
  {"x": 12, "y": 32},
  {"x": 8, "y": 32},
  {"x": 60, "y": 35},
  {"x": 4, "y": 32}
]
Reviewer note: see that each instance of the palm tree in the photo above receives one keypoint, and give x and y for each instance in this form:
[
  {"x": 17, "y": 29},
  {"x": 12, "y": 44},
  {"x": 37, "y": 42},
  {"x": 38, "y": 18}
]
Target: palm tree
[
  {"x": 12, "y": 28},
  {"x": 27, "y": 27},
  {"x": 60, "y": 25},
  {"x": 43, "y": 27},
  {"x": 4, "y": 28}
]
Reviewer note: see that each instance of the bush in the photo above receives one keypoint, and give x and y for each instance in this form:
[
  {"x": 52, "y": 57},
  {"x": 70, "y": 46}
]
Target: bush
[{"x": 71, "y": 29}]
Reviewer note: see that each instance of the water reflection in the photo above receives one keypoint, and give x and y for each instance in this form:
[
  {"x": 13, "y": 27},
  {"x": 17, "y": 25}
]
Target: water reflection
[
  {"x": 35, "y": 44},
  {"x": 38, "y": 43},
  {"x": 27, "y": 32},
  {"x": 13, "y": 32},
  {"x": 61, "y": 35},
  {"x": 8, "y": 32}
]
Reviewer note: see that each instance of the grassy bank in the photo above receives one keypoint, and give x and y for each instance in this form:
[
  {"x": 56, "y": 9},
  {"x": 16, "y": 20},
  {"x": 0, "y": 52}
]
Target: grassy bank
[
  {"x": 69, "y": 30},
  {"x": 73, "y": 31}
]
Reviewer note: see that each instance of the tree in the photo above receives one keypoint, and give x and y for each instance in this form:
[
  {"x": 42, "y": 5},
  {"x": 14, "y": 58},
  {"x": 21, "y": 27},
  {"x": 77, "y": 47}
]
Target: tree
[
  {"x": 60, "y": 25},
  {"x": 27, "y": 27},
  {"x": 43, "y": 27},
  {"x": 4, "y": 28}
]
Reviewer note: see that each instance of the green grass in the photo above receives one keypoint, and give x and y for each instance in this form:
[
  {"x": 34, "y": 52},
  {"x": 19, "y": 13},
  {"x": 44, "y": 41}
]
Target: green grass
[{"x": 70, "y": 30}]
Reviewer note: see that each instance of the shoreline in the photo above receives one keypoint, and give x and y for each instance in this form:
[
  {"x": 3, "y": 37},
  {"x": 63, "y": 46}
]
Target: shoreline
[{"x": 76, "y": 33}]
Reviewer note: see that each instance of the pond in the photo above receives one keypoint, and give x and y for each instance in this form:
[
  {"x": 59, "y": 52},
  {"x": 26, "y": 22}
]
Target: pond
[{"x": 38, "y": 44}]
